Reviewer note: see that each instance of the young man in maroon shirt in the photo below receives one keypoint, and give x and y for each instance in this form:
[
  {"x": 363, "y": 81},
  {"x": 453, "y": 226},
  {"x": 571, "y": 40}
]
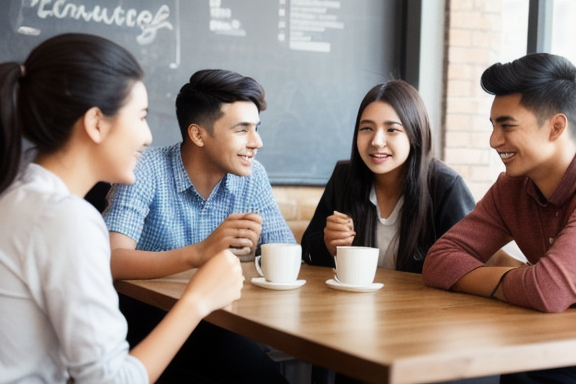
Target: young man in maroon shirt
[{"x": 534, "y": 121}]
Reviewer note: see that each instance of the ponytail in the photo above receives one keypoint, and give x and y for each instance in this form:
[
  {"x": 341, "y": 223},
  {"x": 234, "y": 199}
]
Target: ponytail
[
  {"x": 62, "y": 78},
  {"x": 10, "y": 124}
]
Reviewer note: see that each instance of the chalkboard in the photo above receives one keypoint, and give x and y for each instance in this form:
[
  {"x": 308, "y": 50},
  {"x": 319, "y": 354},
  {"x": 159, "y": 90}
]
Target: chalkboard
[{"x": 315, "y": 58}]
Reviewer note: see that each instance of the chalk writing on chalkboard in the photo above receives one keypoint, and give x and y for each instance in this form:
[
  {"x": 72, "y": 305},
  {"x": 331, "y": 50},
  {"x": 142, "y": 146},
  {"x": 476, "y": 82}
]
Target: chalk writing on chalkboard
[
  {"x": 222, "y": 21},
  {"x": 143, "y": 23},
  {"x": 315, "y": 58},
  {"x": 304, "y": 24}
]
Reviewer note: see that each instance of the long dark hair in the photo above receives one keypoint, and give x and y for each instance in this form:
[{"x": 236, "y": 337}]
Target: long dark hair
[
  {"x": 62, "y": 78},
  {"x": 414, "y": 230}
]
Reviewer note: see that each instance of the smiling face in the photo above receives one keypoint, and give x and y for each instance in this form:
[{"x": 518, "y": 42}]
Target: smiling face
[
  {"x": 234, "y": 140},
  {"x": 382, "y": 141},
  {"x": 523, "y": 145},
  {"x": 128, "y": 135}
]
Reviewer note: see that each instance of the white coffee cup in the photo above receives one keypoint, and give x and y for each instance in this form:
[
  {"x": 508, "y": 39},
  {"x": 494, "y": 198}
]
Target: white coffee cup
[
  {"x": 356, "y": 265},
  {"x": 279, "y": 262}
]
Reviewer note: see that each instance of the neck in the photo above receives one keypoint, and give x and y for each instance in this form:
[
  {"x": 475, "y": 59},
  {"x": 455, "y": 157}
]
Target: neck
[
  {"x": 550, "y": 174},
  {"x": 200, "y": 169},
  {"x": 72, "y": 170},
  {"x": 388, "y": 188}
]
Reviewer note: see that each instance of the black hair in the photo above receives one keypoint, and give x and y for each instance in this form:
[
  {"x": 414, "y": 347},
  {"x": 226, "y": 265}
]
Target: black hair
[
  {"x": 200, "y": 100},
  {"x": 414, "y": 232},
  {"x": 61, "y": 79},
  {"x": 546, "y": 83}
]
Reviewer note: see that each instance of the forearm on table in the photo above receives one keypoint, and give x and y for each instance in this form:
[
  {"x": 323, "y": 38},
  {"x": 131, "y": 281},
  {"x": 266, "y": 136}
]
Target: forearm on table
[
  {"x": 136, "y": 264},
  {"x": 482, "y": 281}
]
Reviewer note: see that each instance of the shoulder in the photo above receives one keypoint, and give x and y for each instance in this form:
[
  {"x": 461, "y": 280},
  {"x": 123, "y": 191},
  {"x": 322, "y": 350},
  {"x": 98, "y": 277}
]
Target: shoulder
[
  {"x": 445, "y": 181},
  {"x": 442, "y": 177},
  {"x": 342, "y": 165},
  {"x": 341, "y": 171},
  {"x": 157, "y": 155},
  {"x": 509, "y": 190},
  {"x": 74, "y": 215},
  {"x": 440, "y": 171}
]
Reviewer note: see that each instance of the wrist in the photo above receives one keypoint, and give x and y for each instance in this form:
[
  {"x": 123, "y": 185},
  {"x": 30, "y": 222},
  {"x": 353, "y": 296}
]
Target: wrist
[{"x": 498, "y": 292}]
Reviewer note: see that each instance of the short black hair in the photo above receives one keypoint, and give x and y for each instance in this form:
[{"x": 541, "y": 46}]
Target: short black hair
[
  {"x": 200, "y": 100},
  {"x": 546, "y": 83}
]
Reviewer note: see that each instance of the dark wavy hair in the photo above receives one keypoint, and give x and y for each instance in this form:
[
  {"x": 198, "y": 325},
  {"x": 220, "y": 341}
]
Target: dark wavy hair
[
  {"x": 200, "y": 100},
  {"x": 414, "y": 232},
  {"x": 61, "y": 79},
  {"x": 546, "y": 82}
]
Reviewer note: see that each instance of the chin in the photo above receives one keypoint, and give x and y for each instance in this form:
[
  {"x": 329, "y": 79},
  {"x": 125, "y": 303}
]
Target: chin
[{"x": 243, "y": 171}]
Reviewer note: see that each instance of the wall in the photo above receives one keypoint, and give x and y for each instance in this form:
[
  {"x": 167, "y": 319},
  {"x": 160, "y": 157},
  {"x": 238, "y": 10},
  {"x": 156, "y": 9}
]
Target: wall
[
  {"x": 297, "y": 205},
  {"x": 473, "y": 41}
]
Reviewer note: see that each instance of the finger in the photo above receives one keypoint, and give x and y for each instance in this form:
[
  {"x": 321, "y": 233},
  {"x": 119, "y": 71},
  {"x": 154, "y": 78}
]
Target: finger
[
  {"x": 253, "y": 216},
  {"x": 337, "y": 220},
  {"x": 338, "y": 227},
  {"x": 240, "y": 251},
  {"x": 248, "y": 216}
]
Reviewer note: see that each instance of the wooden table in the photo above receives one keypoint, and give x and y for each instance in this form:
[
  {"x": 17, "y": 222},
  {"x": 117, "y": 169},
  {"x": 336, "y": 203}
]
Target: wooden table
[{"x": 403, "y": 333}]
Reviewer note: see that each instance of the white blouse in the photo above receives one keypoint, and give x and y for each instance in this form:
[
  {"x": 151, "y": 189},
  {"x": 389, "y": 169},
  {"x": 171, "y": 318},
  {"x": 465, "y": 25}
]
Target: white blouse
[
  {"x": 387, "y": 232},
  {"x": 59, "y": 315}
]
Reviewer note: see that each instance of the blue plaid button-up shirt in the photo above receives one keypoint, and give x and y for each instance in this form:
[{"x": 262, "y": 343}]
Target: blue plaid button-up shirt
[{"x": 162, "y": 210}]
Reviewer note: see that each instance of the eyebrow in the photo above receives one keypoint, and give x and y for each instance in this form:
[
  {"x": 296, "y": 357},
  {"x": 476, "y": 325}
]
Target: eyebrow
[
  {"x": 387, "y": 122},
  {"x": 245, "y": 124},
  {"x": 503, "y": 119}
]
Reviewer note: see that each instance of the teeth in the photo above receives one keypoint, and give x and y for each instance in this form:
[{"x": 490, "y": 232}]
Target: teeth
[
  {"x": 379, "y": 156},
  {"x": 506, "y": 155}
]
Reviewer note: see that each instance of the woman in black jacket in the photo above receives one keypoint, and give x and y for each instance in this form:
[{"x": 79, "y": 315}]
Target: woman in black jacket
[{"x": 391, "y": 194}]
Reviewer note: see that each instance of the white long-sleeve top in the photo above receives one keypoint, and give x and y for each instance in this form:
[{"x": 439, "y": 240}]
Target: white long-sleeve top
[{"x": 59, "y": 315}]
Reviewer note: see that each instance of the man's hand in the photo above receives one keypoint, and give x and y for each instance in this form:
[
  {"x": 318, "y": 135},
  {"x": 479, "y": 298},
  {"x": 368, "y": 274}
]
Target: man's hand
[
  {"x": 240, "y": 233},
  {"x": 339, "y": 231}
]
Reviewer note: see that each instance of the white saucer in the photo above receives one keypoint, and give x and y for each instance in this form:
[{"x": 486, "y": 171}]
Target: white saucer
[
  {"x": 261, "y": 282},
  {"x": 353, "y": 288}
]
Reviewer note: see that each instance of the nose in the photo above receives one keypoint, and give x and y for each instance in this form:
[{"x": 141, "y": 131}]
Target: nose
[
  {"x": 147, "y": 136},
  {"x": 255, "y": 141},
  {"x": 496, "y": 138},
  {"x": 379, "y": 138}
]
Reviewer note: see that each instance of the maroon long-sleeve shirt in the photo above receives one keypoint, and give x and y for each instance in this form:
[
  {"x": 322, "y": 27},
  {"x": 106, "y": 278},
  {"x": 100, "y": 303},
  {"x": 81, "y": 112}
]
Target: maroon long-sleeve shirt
[{"x": 545, "y": 231}]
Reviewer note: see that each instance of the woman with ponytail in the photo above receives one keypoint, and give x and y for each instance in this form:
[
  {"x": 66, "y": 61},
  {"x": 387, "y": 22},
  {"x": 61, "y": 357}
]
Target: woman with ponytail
[{"x": 80, "y": 103}]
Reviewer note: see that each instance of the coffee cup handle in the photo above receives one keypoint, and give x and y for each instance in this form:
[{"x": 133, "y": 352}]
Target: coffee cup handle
[{"x": 257, "y": 261}]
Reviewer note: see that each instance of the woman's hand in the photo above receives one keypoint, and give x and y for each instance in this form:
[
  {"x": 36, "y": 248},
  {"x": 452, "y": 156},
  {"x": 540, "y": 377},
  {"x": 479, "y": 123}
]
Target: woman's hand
[
  {"x": 339, "y": 231},
  {"x": 217, "y": 283}
]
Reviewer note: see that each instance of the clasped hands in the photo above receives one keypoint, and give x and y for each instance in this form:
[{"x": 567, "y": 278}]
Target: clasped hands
[{"x": 239, "y": 232}]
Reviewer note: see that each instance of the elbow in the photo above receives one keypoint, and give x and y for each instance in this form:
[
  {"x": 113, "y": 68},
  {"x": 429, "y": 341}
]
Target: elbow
[{"x": 554, "y": 307}]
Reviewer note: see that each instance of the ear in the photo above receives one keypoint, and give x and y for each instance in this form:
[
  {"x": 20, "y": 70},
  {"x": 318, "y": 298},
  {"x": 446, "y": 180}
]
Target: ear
[
  {"x": 95, "y": 125},
  {"x": 558, "y": 124},
  {"x": 195, "y": 133}
]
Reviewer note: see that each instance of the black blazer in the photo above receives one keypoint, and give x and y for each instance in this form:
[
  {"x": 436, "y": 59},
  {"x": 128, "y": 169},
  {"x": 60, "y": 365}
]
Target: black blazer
[{"x": 451, "y": 201}]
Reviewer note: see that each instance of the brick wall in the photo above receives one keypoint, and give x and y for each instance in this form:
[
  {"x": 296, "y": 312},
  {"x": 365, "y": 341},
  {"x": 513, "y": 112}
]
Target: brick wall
[
  {"x": 297, "y": 205},
  {"x": 473, "y": 30}
]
